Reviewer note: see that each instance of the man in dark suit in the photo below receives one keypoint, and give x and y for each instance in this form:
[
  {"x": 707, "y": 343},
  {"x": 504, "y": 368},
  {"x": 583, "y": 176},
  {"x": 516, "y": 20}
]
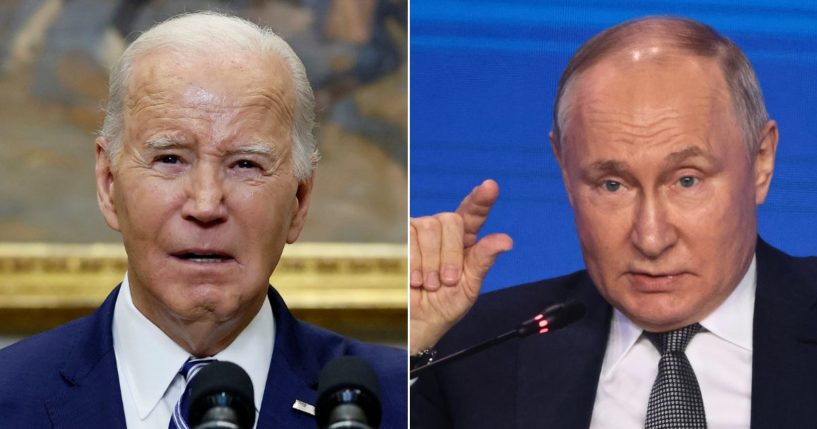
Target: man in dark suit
[
  {"x": 205, "y": 165},
  {"x": 692, "y": 321}
]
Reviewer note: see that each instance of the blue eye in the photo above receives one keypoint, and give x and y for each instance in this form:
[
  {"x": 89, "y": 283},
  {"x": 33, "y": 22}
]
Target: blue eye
[
  {"x": 688, "y": 181},
  {"x": 611, "y": 185}
]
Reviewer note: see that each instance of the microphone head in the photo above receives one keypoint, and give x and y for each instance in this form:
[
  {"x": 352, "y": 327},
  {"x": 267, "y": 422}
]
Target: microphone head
[
  {"x": 222, "y": 384},
  {"x": 561, "y": 315},
  {"x": 348, "y": 380}
]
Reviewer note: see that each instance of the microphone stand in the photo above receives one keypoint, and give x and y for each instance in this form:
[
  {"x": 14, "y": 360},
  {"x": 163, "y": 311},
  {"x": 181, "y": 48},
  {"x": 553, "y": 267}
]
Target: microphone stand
[{"x": 554, "y": 317}]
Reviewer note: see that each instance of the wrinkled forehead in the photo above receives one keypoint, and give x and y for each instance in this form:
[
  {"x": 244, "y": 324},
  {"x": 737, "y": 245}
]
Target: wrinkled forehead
[
  {"x": 644, "y": 83},
  {"x": 218, "y": 79}
]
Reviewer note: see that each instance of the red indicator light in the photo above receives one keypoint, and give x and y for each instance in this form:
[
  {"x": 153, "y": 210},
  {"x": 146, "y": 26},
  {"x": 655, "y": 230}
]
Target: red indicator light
[
  {"x": 543, "y": 323},
  {"x": 543, "y": 330},
  {"x": 538, "y": 317}
]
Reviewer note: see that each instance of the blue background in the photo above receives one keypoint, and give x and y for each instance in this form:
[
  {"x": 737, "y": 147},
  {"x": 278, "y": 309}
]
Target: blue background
[{"x": 483, "y": 79}]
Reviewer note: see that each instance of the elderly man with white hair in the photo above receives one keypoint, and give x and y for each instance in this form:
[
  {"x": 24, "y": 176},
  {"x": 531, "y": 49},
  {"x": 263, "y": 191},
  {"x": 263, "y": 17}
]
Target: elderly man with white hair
[{"x": 205, "y": 166}]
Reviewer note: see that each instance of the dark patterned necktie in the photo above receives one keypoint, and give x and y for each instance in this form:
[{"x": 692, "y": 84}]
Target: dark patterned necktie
[
  {"x": 675, "y": 399},
  {"x": 189, "y": 370}
]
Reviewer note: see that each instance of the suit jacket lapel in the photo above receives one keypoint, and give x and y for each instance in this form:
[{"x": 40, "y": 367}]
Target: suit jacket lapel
[
  {"x": 784, "y": 362},
  {"x": 559, "y": 372},
  {"x": 284, "y": 387},
  {"x": 299, "y": 354},
  {"x": 91, "y": 396}
]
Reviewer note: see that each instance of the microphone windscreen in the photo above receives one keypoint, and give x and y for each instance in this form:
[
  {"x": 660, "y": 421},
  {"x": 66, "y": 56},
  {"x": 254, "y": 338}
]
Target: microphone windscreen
[
  {"x": 225, "y": 384},
  {"x": 561, "y": 315},
  {"x": 338, "y": 378}
]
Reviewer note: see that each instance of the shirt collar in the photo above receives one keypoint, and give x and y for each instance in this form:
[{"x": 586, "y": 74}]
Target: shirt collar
[
  {"x": 623, "y": 335},
  {"x": 151, "y": 360},
  {"x": 731, "y": 321},
  {"x": 252, "y": 350}
]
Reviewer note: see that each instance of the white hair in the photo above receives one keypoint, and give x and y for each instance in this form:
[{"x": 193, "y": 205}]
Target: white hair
[{"x": 206, "y": 32}]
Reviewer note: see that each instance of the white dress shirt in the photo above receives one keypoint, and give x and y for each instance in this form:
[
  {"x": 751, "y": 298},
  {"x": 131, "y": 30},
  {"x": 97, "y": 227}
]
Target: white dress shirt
[
  {"x": 148, "y": 361},
  {"x": 721, "y": 356}
]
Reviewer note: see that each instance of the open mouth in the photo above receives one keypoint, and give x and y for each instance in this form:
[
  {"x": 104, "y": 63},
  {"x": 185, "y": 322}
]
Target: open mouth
[{"x": 203, "y": 257}]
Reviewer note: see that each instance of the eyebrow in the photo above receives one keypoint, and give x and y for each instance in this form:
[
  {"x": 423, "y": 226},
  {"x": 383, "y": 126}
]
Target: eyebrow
[
  {"x": 262, "y": 149},
  {"x": 621, "y": 168},
  {"x": 685, "y": 154},
  {"x": 164, "y": 142},
  {"x": 609, "y": 167}
]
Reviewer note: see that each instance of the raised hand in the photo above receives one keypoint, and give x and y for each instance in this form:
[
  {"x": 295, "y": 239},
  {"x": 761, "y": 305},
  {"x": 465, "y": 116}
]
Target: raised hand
[{"x": 447, "y": 264}]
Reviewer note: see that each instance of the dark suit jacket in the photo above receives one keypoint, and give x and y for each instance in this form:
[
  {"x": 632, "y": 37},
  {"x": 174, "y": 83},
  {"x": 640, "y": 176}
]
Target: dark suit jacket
[
  {"x": 67, "y": 377},
  {"x": 550, "y": 381}
]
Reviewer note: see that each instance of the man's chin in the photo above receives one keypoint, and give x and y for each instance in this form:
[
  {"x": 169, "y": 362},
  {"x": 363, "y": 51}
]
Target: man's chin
[
  {"x": 206, "y": 311},
  {"x": 660, "y": 314},
  {"x": 191, "y": 301},
  {"x": 219, "y": 302}
]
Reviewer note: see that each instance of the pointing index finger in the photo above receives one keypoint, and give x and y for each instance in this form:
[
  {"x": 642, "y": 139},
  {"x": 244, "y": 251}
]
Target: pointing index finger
[{"x": 475, "y": 208}]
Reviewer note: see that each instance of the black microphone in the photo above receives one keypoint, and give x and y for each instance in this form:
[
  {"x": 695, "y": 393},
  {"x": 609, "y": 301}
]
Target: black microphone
[
  {"x": 221, "y": 397},
  {"x": 348, "y": 396},
  {"x": 554, "y": 317}
]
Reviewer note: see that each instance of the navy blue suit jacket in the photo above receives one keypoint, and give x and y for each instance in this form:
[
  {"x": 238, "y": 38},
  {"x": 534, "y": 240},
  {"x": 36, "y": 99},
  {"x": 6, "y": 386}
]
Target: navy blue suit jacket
[
  {"x": 550, "y": 381},
  {"x": 67, "y": 377}
]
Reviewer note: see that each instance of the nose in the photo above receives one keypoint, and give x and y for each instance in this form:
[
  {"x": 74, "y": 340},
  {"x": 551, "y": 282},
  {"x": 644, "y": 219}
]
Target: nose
[
  {"x": 205, "y": 196},
  {"x": 653, "y": 232}
]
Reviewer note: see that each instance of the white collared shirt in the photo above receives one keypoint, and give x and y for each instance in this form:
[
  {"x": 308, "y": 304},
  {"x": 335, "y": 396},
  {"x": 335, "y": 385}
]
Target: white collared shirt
[
  {"x": 720, "y": 355},
  {"x": 148, "y": 361}
]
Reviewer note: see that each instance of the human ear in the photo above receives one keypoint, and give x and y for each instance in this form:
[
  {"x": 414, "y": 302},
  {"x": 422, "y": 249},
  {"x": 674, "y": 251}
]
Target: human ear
[
  {"x": 764, "y": 161},
  {"x": 556, "y": 146},
  {"x": 303, "y": 195},
  {"x": 105, "y": 184}
]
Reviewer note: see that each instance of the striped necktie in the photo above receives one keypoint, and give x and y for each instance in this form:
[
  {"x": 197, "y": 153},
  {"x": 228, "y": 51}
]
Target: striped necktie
[
  {"x": 189, "y": 370},
  {"x": 675, "y": 400}
]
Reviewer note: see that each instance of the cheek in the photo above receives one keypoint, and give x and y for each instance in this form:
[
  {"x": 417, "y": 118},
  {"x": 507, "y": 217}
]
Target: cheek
[
  {"x": 602, "y": 229},
  {"x": 722, "y": 235},
  {"x": 264, "y": 215},
  {"x": 603, "y": 235},
  {"x": 723, "y": 220},
  {"x": 146, "y": 204}
]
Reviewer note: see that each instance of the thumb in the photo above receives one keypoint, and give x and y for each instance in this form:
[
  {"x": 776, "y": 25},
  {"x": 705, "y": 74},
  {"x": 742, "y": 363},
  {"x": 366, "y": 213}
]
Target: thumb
[{"x": 481, "y": 256}]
